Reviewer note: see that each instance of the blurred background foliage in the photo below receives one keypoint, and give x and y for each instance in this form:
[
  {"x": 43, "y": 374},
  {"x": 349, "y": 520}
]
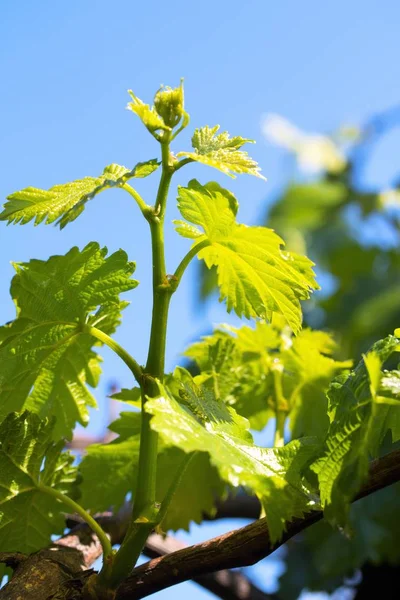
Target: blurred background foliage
[
  {"x": 328, "y": 211},
  {"x": 351, "y": 232}
]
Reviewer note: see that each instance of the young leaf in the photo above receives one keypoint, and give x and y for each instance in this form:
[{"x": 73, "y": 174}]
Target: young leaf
[
  {"x": 64, "y": 203},
  {"x": 196, "y": 494},
  {"x": 308, "y": 371},
  {"x": 389, "y": 388},
  {"x": 200, "y": 423},
  {"x": 132, "y": 396},
  {"x": 219, "y": 362},
  {"x": 222, "y": 152},
  {"x": 238, "y": 376},
  {"x": 45, "y": 360},
  {"x": 240, "y": 371},
  {"x": 148, "y": 115},
  {"x": 255, "y": 276},
  {"x": 359, "y": 422},
  {"x": 29, "y": 460},
  {"x": 166, "y": 113}
]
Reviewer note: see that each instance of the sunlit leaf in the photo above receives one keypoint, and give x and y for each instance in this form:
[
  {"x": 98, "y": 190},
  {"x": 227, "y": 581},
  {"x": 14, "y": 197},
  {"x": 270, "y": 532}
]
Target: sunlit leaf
[
  {"x": 255, "y": 276},
  {"x": 238, "y": 364},
  {"x": 64, "y": 203},
  {"x": 200, "y": 423},
  {"x": 222, "y": 152},
  {"x": 147, "y": 114},
  {"x": 196, "y": 494}
]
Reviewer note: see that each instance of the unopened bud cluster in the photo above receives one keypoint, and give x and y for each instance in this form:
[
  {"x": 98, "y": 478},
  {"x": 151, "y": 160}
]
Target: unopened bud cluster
[{"x": 168, "y": 103}]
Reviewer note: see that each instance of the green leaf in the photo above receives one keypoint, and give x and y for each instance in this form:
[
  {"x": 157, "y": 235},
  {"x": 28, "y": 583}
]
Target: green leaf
[
  {"x": 148, "y": 115},
  {"x": 222, "y": 152},
  {"x": 186, "y": 230},
  {"x": 64, "y": 203},
  {"x": 218, "y": 360},
  {"x": 308, "y": 371},
  {"x": 120, "y": 460},
  {"x": 127, "y": 425},
  {"x": 28, "y": 458},
  {"x": 358, "y": 424},
  {"x": 200, "y": 423},
  {"x": 240, "y": 371},
  {"x": 197, "y": 493},
  {"x": 119, "y": 457},
  {"x": 255, "y": 276},
  {"x": 390, "y": 385},
  {"x": 254, "y": 342},
  {"x": 131, "y": 396},
  {"x": 45, "y": 362}
]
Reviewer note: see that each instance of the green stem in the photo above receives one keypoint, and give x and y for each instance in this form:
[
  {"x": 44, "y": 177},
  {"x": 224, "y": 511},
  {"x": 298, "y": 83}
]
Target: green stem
[
  {"x": 145, "y": 208},
  {"x": 76, "y": 508},
  {"x": 182, "y": 163},
  {"x": 145, "y": 510},
  {"x": 146, "y": 485},
  {"x": 185, "y": 121},
  {"x": 195, "y": 249},
  {"x": 129, "y": 552},
  {"x": 139, "y": 531},
  {"x": 281, "y": 409},
  {"x": 166, "y": 176},
  {"x": 122, "y": 353},
  {"x": 279, "y": 438},
  {"x": 161, "y": 286}
]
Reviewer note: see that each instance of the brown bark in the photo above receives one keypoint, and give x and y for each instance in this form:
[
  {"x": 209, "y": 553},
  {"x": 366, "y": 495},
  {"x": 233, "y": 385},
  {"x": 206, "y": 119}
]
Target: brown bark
[
  {"x": 51, "y": 573},
  {"x": 225, "y": 584},
  {"x": 61, "y": 570},
  {"x": 80, "y": 548},
  {"x": 242, "y": 547},
  {"x": 237, "y": 506}
]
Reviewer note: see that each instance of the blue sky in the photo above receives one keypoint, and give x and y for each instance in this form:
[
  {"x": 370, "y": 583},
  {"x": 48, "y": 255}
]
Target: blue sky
[{"x": 66, "y": 67}]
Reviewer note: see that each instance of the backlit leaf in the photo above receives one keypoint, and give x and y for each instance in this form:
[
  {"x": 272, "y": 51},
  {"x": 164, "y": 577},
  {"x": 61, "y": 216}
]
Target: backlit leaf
[
  {"x": 64, "y": 203},
  {"x": 200, "y": 423},
  {"x": 147, "y": 114},
  {"x": 196, "y": 494},
  {"x": 255, "y": 276},
  {"x": 238, "y": 364},
  {"x": 222, "y": 152}
]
